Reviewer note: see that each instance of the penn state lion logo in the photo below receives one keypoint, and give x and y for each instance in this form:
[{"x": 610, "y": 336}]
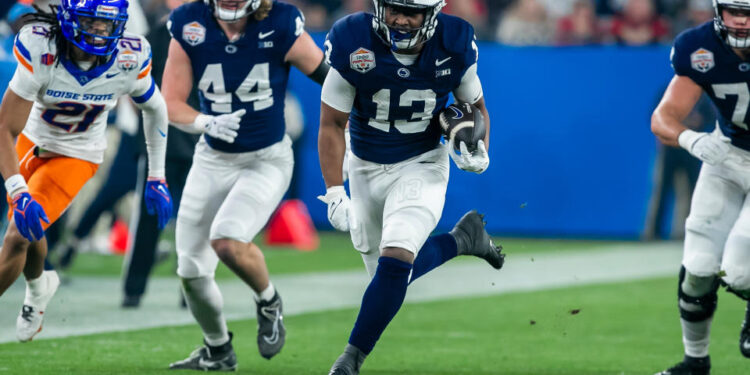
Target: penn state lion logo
[
  {"x": 362, "y": 60},
  {"x": 702, "y": 60},
  {"x": 194, "y": 33}
]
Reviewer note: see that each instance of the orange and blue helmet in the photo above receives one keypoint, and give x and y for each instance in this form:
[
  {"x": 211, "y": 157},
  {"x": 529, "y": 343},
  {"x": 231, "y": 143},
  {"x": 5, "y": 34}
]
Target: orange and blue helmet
[{"x": 94, "y": 26}]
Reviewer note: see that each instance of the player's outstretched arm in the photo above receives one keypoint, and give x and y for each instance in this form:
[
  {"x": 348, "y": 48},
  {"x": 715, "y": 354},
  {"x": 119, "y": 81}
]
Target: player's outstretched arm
[
  {"x": 27, "y": 213},
  {"x": 331, "y": 150},
  {"x": 676, "y": 104},
  {"x": 14, "y": 111},
  {"x": 177, "y": 82},
  {"x": 308, "y": 58},
  {"x": 666, "y": 123},
  {"x": 332, "y": 144}
]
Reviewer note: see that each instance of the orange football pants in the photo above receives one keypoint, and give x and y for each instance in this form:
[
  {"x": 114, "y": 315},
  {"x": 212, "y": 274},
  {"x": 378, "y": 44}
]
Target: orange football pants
[{"x": 53, "y": 182}]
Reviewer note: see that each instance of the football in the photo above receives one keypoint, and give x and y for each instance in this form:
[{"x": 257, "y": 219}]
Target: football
[{"x": 463, "y": 122}]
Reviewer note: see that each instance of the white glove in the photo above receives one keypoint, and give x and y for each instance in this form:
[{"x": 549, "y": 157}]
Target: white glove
[
  {"x": 338, "y": 207},
  {"x": 476, "y": 161},
  {"x": 222, "y": 127},
  {"x": 704, "y": 146}
]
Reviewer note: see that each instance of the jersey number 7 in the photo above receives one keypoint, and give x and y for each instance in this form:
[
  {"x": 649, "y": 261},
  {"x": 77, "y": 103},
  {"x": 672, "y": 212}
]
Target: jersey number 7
[{"x": 743, "y": 100}]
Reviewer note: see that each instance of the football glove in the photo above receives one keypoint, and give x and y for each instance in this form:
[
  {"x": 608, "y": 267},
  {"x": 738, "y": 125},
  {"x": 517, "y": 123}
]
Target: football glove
[
  {"x": 338, "y": 207},
  {"x": 27, "y": 214},
  {"x": 709, "y": 149},
  {"x": 158, "y": 200},
  {"x": 476, "y": 162},
  {"x": 223, "y": 127}
]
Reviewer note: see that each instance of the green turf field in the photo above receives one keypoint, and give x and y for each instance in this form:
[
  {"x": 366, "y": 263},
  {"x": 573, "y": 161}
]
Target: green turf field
[
  {"x": 334, "y": 254},
  {"x": 624, "y": 328}
]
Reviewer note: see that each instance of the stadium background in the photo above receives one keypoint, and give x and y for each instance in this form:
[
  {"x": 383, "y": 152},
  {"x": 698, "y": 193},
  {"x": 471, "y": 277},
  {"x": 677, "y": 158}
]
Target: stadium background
[{"x": 570, "y": 86}]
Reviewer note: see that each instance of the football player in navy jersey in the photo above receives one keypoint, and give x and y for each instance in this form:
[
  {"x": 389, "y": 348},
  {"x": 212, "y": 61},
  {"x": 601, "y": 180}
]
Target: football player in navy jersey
[
  {"x": 714, "y": 59},
  {"x": 239, "y": 53},
  {"x": 391, "y": 74}
]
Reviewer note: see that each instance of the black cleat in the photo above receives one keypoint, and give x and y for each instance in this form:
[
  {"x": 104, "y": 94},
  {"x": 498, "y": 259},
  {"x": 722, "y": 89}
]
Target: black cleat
[
  {"x": 208, "y": 358},
  {"x": 472, "y": 239},
  {"x": 349, "y": 362},
  {"x": 131, "y": 302},
  {"x": 271, "y": 331},
  {"x": 745, "y": 334},
  {"x": 690, "y": 366}
]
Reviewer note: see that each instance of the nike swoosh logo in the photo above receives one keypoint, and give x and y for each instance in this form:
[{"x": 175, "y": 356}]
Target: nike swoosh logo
[
  {"x": 746, "y": 345},
  {"x": 439, "y": 62},
  {"x": 23, "y": 203},
  {"x": 265, "y": 35},
  {"x": 163, "y": 135},
  {"x": 112, "y": 75},
  {"x": 274, "y": 338}
]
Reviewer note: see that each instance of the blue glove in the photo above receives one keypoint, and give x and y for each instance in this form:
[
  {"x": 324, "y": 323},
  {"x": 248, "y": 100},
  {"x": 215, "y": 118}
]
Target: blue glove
[
  {"x": 26, "y": 214},
  {"x": 158, "y": 200}
]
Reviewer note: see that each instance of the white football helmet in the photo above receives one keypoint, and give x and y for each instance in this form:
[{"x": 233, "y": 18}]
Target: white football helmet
[
  {"x": 233, "y": 15},
  {"x": 728, "y": 34},
  {"x": 407, "y": 39}
]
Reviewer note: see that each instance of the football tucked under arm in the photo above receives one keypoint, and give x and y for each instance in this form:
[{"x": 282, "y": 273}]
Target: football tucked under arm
[{"x": 463, "y": 122}]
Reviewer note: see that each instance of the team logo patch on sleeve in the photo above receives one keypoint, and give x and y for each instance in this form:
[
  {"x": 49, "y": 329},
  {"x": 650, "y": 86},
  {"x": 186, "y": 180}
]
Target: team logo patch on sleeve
[
  {"x": 702, "y": 60},
  {"x": 362, "y": 60},
  {"x": 194, "y": 33},
  {"x": 127, "y": 61},
  {"x": 48, "y": 59}
]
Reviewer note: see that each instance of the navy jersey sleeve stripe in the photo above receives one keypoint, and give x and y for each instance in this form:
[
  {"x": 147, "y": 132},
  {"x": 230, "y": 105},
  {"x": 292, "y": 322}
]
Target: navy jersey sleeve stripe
[
  {"x": 22, "y": 49},
  {"x": 147, "y": 95}
]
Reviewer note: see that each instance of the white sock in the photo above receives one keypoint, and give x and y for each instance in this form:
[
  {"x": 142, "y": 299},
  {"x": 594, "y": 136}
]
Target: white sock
[
  {"x": 204, "y": 299},
  {"x": 38, "y": 290},
  {"x": 266, "y": 294},
  {"x": 696, "y": 337}
]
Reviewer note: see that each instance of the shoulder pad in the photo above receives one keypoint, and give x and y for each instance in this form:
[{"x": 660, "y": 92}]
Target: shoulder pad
[
  {"x": 455, "y": 33},
  {"x": 134, "y": 55},
  {"x": 33, "y": 47}
]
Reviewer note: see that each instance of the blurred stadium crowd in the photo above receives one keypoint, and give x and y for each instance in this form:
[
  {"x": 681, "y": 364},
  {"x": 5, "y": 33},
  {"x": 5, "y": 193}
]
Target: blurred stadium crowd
[{"x": 511, "y": 22}]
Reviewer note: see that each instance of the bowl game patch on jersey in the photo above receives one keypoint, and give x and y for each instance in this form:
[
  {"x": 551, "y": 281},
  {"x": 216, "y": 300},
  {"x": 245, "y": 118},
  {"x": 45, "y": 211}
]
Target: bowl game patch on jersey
[
  {"x": 362, "y": 60},
  {"x": 127, "y": 61},
  {"x": 702, "y": 60},
  {"x": 194, "y": 33}
]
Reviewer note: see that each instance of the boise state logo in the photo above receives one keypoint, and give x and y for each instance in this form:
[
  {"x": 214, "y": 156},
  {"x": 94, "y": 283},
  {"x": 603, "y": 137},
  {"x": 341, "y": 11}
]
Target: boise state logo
[
  {"x": 127, "y": 61},
  {"x": 702, "y": 60},
  {"x": 362, "y": 60},
  {"x": 194, "y": 33}
]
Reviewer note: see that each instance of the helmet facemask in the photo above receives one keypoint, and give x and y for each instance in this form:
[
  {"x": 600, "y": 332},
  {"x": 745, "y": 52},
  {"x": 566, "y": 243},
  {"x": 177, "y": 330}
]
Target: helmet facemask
[
  {"x": 94, "y": 30},
  {"x": 233, "y": 10},
  {"x": 400, "y": 39},
  {"x": 734, "y": 37}
]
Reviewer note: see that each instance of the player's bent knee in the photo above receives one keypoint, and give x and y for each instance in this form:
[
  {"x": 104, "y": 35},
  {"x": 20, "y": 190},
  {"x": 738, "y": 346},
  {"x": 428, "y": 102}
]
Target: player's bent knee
[
  {"x": 737, "y": 278},
  {"x": 190, "y": 268},
  {"x": 14, "y": 241},
  {"x": 398, "y": 253},
  {"x": 701, "y": 263},
  {"x": 407, "y": 230},
  {"x": 697, "y": 296}
]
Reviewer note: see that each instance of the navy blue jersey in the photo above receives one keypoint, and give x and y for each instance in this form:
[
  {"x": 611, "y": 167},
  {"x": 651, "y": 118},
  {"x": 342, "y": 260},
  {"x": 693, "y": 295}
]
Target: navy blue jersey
[
  {"x": 702, "y": 56},
  {"x": 391, "y": 119},
  {"x": 249, "y": 73}
]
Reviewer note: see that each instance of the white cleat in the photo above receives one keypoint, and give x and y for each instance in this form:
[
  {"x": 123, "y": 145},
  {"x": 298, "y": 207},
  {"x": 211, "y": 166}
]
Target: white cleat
[{"x": 29, "y": 321}]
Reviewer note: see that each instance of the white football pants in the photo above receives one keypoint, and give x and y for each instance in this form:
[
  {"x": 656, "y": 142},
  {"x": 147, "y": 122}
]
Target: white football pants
[
  {"x": 396, "y": 205},
  {"x": 717, "y": 232},
  {"x": 228, "y": 196}
]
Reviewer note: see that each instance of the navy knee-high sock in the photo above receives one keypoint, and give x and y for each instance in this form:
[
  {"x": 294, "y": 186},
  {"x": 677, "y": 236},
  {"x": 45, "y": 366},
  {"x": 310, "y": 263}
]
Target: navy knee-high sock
[
  {"x": 381, "y": 302},
  {"x": 436, "y": 251}
]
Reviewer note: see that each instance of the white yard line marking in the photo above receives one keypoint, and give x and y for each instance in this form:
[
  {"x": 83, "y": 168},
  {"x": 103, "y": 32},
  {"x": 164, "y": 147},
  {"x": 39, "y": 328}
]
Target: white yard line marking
[{"x": 91, "y": 304}]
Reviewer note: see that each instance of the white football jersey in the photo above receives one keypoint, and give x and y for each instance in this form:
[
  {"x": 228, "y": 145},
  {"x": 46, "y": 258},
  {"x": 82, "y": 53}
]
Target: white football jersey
[{"x": 71, "y": 105}]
